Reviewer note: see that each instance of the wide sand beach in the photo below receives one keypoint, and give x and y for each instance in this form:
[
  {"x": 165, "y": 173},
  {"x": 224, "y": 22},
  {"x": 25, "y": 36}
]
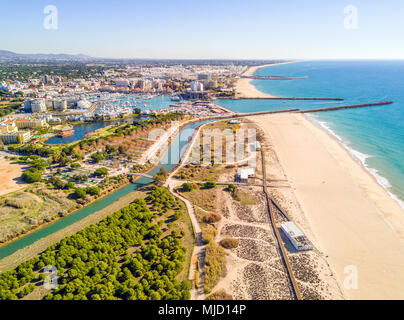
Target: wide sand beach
[
  {"x": 352, "y": 219},
  {"x": 348, "y": 215},
  {"x": 245, "y": 89}
]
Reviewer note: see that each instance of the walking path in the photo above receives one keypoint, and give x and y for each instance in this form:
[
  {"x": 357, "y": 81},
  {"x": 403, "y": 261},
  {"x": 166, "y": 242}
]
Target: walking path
[{"x": 199, "y": 248}]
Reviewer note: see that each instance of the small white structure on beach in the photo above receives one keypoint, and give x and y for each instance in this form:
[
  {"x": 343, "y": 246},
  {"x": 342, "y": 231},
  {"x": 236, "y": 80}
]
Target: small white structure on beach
[
  {"x": 243, "y": 175},
  {"x": 234, "y": 122},
  {"x": 296, "y": 236}
]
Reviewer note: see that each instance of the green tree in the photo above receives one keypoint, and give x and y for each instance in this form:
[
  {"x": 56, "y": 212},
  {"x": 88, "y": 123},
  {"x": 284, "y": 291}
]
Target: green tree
[
  {"x": 101, "y": 172},
  {"x": 32, "y": 176},
  {"x": 187, "y": 187},
  {"x": 97, "y": 157},
  {"x": 79, "y": 193}
]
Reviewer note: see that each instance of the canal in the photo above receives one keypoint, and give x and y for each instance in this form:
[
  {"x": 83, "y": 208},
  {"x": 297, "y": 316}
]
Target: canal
[{"x": 169, "y": 161}]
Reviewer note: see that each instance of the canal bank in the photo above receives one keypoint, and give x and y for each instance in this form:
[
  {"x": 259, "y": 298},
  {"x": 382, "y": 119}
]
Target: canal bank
[{"x": 26, "y": 247}]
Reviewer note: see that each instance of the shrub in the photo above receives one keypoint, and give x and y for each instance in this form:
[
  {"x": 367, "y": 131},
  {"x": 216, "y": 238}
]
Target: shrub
[
  {"x": 229, "y": 243},
  {"x": 80, "y": 177},
  {"x": 187, "y": 187},
  {"x": 70, "y": 185},
  {"x": 208, "y": 234},
  {"x": 214, "y": 265},
  {"x": 97, "y": 157},
  {"x": 177, "y": 215},
  {"x": 211, "y": 217},
  {"x": 231, "y": 188},
  {"x": 57, "y": 183},
  {"x": 219, "y": 295},
  {"x": 209, "y": 185},
  {"x": 32, "y": 176}
]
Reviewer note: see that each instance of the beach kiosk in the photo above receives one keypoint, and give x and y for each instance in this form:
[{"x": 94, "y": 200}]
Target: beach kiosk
[{"x": 296, "y": 236}]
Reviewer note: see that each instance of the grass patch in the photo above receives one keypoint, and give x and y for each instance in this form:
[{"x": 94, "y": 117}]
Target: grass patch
[
  {"x": 23, "y": 210},
  {"x": 184, "y": 223},
  {"x": 200, "y": 173},
  {"x": 204, "y": 198},
  {"x": 208, "y": 233},
  {"x": 215, "y": 265},
  {"x": 244, "y": 198}
]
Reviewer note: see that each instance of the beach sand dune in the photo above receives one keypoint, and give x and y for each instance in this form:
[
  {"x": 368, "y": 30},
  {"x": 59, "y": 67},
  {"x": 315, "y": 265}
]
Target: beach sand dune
[{"x": 354, "y": 221}]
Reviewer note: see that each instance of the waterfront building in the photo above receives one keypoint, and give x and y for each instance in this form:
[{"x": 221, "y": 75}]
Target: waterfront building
[
  {"x": 15, "y": 137},
  {"x": 122, "y": 83},
  {"x": 30, "y": 123},
  {"x": 196, "y": 86}
]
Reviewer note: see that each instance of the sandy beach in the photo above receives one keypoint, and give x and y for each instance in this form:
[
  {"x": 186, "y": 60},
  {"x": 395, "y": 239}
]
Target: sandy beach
[
  {"x": 245, "y": 89},
  {"x": 348, "y": 216},
  {"x": 10, "y": 174}
]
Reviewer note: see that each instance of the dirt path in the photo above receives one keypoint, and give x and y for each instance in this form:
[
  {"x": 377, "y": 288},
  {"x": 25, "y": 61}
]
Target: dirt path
[{"x": 199, "y": 248}]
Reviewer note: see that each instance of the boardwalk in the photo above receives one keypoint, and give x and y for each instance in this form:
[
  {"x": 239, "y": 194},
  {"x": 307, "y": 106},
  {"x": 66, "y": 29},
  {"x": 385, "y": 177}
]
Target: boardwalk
[{"x": 271, "y": 210}]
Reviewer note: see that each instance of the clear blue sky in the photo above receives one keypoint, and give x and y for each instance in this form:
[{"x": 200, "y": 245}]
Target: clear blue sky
[{"x": 225, "y": 29}]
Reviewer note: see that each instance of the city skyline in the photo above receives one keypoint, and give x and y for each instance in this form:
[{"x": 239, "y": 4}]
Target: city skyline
[{"x": 207, "y": 30}]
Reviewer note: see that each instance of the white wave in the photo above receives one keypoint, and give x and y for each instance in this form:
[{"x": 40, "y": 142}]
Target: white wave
[
  {"x": 379, "y": 178},
  {"x": 361, "y": 157}
]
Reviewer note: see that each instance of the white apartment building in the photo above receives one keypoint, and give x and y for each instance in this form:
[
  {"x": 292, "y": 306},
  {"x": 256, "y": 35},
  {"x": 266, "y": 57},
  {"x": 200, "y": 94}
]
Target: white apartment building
[{"x": 196, "y": 86}]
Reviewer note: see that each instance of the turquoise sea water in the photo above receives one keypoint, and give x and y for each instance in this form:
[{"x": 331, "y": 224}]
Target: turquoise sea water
[{"x": 374, "y": 136}]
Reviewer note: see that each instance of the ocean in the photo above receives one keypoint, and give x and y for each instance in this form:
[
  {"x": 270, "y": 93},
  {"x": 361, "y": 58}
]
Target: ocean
[{"x": 374, "y": 136}]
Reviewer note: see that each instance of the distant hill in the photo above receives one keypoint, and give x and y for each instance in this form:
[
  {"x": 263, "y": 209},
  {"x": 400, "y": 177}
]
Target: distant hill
[
  {"x": 6, "y": 56},
  {"x": 51, "y": 58}
]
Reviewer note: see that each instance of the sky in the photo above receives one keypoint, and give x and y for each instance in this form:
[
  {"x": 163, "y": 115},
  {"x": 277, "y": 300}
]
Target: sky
[{"x": 207, "y": 29}]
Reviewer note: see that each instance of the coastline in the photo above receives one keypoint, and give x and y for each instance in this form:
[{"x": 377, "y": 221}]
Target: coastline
[
  {"x": 358, "y": 157},
  {"x": 354, "y": 154},
  {"x": 344, "y": 204},
  {"x": 245, "y": 88}
]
